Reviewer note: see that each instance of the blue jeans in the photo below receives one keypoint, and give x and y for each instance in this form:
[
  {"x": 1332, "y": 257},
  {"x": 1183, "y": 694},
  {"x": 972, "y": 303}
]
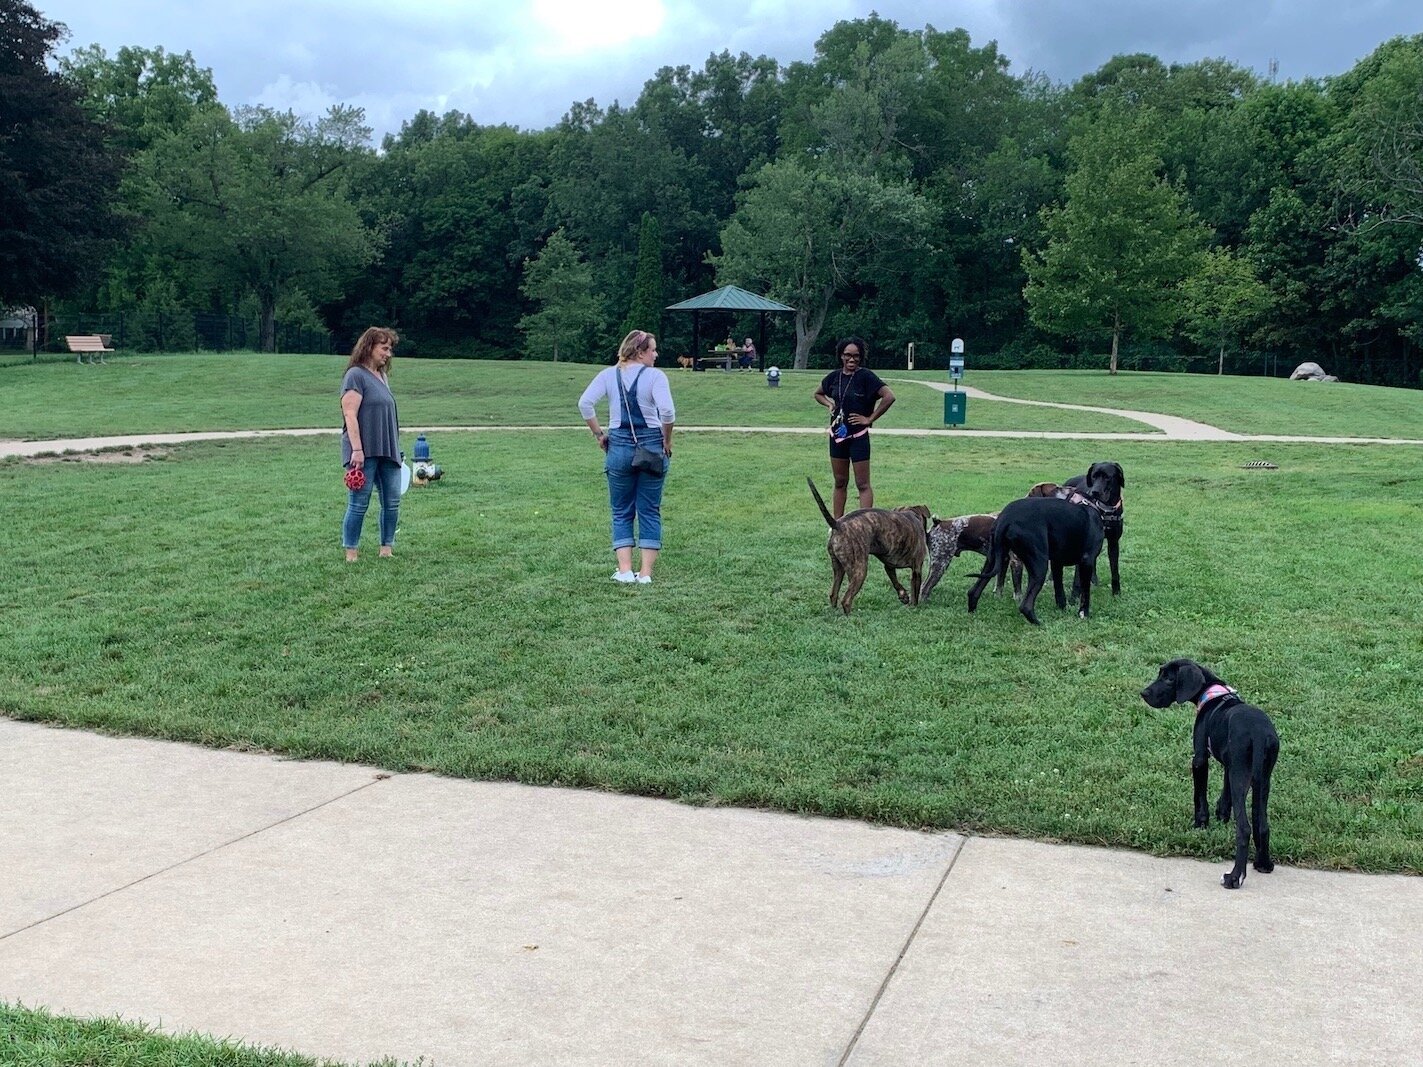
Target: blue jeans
[
  {"x": 635, "y": 498},
  {"x": 385, "y": 473}
]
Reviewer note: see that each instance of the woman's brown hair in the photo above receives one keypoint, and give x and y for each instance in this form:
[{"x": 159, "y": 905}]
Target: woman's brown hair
[{"x": 375, "y": 335}]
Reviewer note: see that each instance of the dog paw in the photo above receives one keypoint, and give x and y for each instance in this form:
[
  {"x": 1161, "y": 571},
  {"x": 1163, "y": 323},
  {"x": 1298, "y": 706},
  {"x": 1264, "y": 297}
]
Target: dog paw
[
  {"x": 1201, "y": 822},
  {"x": 1231, "y": 880},
  {"x": 904, "y": 598},
  {"x": 1222, "y": 813},
  {"x": 1265, "y": 866}
]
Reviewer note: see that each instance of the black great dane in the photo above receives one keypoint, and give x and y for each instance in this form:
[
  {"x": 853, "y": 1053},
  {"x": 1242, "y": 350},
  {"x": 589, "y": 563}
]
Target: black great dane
[
  {"x": 1045, "y": 534},
  {"x": 1101, "y": 487},
  {"x": 1242, "y": 738}
]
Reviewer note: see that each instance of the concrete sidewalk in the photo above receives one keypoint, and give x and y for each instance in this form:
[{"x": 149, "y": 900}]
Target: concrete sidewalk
[{"x": 339, "y": 911}]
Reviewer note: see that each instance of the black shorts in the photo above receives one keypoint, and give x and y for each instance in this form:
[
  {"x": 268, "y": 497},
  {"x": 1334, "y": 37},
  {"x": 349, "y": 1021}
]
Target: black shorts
[{"x": 855, "y": 449}]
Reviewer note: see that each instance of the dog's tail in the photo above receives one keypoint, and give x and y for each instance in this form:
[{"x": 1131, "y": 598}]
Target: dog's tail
[{"x": 829, "y": 518}]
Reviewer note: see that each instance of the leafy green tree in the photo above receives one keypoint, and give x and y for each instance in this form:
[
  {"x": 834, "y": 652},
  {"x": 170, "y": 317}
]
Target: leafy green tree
[
  {"x": 803, "y": 236},
  {"x": 1246, "y": 151},
  {"x": 1223, "y": 300},
  {"x": 1289, "y": 240},
  {"x": 1121, "y": 243},
  {"x": 58, "y": 177},
  {"x": 560, "y": 284},
  {"x": 139, "y": 94},
  {"x": 257, "y": 202},
  {"x": 647, "y": 303},
  {"x": 463, "y": 206},
  {"x": 1380, "y": 141},
  {"x": 606, "y": 169},
  {"x": 724, "y": 119}
]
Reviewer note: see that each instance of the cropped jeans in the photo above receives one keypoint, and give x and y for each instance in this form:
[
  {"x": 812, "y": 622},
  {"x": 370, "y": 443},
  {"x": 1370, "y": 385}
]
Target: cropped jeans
[
  {"x": 384, "y": 473},
  {"x": 636, "y": 499}
]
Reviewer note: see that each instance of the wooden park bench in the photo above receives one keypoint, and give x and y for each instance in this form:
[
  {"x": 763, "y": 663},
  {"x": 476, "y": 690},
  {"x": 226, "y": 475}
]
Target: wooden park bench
[{"x": 95, "y": 344}]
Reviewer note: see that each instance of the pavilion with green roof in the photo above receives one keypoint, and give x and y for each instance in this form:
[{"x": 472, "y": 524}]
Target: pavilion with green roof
[{"x": 729, "y": 298}]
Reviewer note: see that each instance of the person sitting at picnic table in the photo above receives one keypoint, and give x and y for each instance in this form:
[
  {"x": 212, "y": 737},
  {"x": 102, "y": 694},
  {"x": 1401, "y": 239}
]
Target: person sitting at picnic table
[{"x": 748, "y": 354}]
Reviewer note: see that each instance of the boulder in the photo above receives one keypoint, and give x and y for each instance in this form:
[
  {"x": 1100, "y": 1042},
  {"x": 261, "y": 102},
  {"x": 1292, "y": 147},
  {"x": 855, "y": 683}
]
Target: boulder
[{"x": 1311, "y": 372}]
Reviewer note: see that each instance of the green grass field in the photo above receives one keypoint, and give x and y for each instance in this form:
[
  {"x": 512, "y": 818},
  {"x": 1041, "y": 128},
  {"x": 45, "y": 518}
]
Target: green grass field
[{"x": 202, "y": 596}]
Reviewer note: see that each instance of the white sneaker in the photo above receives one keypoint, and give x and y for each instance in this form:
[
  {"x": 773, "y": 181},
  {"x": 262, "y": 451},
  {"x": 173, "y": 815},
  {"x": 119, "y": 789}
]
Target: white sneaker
[
  {"x": 644, "y": 579},
  {"x": 625, "y": 577}
]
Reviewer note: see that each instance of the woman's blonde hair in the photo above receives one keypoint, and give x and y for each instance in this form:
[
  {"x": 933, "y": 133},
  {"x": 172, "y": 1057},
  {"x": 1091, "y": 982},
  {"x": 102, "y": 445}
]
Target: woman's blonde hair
[
  {"x": 634, "y": 344},
  {"x": 375, "y": 335}
]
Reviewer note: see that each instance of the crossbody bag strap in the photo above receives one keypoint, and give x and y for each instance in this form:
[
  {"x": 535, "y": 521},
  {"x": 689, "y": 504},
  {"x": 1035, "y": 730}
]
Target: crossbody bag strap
[{"x": 627, "y": 404}]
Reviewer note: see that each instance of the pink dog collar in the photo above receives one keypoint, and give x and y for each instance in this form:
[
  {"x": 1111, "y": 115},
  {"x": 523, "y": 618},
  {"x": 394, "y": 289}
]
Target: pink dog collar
[{"x": 1213, "y": 693}]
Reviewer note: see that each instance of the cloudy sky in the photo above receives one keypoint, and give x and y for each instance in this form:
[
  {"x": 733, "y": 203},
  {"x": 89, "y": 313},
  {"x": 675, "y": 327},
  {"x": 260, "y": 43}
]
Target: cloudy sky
[{"x": 523, "y": 62}]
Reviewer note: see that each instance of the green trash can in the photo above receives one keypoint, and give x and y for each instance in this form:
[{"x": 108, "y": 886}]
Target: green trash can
[{"x": 955, "y": 408}]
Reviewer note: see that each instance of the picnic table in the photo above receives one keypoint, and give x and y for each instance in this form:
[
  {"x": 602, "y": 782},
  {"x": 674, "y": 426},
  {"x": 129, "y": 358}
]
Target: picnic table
[{"x": 724, "y": 357}]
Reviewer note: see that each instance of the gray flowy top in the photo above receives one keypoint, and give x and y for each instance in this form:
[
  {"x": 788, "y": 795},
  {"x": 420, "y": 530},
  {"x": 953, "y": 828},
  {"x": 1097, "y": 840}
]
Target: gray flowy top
[{"x": 376, "y": 417}]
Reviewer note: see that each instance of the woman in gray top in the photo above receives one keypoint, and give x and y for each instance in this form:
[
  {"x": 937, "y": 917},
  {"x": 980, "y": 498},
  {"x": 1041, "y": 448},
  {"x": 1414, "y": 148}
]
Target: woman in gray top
[{"x": 370, "y": 438}]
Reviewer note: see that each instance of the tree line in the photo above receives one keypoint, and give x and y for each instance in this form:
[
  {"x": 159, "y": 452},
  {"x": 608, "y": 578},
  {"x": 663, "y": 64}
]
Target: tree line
[{"x": 901, "y": 185}]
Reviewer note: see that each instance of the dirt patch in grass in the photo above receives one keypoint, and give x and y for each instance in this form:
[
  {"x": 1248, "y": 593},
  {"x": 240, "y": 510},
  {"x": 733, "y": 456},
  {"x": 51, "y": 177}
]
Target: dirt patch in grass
[{"x": 111, "y": 455}]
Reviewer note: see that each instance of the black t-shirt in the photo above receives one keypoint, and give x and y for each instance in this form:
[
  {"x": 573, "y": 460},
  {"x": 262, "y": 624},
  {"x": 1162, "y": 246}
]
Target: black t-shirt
[{"x": 854, "y": 394}]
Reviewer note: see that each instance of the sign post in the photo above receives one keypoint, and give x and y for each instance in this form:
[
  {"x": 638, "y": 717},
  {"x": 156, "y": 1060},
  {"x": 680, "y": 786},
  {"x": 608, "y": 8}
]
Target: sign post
[{"x": 955, "y": 402}]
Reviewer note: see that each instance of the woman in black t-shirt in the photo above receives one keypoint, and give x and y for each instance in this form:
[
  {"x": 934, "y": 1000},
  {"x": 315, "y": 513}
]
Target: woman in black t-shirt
[{"x": 856, "y": 398}]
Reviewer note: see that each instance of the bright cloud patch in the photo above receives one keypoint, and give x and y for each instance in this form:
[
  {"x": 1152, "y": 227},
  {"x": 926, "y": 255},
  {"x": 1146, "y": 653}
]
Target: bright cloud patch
[{"x": 580, "y": 26}]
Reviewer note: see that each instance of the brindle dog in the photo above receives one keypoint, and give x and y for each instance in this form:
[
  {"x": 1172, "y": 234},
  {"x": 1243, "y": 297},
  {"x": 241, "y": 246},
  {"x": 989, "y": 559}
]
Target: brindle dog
[{"x": 895, "y": 537}]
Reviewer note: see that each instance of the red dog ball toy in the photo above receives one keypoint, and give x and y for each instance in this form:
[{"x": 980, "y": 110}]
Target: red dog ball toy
[{"x": 355, "y": 479}]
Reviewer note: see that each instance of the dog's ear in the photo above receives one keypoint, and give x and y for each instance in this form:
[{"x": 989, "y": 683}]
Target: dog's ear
[
  {"x": 1121, "y": 475},
  {"x": 1189, "y": 681}
]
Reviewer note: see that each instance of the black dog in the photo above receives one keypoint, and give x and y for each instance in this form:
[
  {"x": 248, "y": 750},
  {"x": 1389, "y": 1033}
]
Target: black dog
[
  {"x": 1242, "y": 738},
  {"x": 1102, "y": 487},
  {"x": 1043, "y": 533}
]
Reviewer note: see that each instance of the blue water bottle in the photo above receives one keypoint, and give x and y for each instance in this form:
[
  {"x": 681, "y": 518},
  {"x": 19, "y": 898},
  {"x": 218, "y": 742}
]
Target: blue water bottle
[{"x": 422, "y": 449}]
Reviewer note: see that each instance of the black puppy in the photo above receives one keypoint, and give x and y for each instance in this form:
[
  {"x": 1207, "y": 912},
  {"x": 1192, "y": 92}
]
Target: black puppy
[
  {"x": 1242, "y": 738},
  {"x": 1043, "y": 533},
  {"x": 1102, "y": 485}
]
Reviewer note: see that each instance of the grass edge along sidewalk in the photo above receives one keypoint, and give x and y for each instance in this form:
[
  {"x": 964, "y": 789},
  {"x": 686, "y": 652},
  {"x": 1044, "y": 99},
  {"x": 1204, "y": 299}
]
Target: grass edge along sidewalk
[{"x": 34, "y": 1037}]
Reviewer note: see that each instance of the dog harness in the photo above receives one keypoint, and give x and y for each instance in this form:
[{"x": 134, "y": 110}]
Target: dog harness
[
  {"x": 1215, "y": 692},
  {"x": 1111, "y": 513}
]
